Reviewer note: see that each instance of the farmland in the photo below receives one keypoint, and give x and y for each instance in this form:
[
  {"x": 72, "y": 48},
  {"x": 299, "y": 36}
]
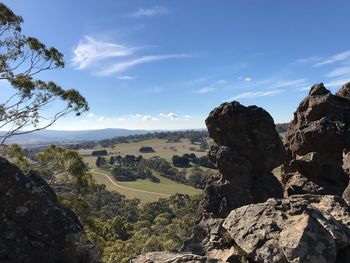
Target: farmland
[{"x": 144, "y": 189}]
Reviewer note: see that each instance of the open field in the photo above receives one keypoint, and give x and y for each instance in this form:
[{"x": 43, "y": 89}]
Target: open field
[
  {"x": 144, "y": 190},
  {"x": 161, "y": 147}
]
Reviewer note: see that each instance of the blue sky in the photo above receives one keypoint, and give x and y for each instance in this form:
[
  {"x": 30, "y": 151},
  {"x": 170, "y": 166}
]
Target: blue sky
[{"x": 167, "y": 64}]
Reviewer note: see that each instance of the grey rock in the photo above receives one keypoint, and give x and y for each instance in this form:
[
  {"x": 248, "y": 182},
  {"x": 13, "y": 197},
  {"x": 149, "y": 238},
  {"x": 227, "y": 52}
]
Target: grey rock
[
  {"x": 34, "y": 226},
  {"x": 314, "y": 142},
  {"x": 346, "y": 168},
  {"x": 302, "y": 228},
  {"x": 247, "y": 149}
]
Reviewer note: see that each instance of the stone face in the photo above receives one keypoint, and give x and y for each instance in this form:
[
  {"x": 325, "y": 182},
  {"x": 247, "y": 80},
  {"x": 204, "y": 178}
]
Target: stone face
[
  {"x": 248, "y": 148},
  {"x": 346, "y": 168},
  {"x": 250, "y": 131},
  {"x": 34, "y": 226},
  {"x": 302, "y": 228},
  {"x": 315, "y": 141},
  {"x": 344, "y": 91},
  {"x": 170, "y": 257},
  {"x": 243, "y": 214}
]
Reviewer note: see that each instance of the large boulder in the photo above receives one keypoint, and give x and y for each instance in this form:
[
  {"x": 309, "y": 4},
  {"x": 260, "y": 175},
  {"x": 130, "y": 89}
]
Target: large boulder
[
  {"x": 315, "y": 141},
  {"x": 247, "y": 149},
  {"x": 172, "y": 257},
  {"x": 302, "y": 228},
  {"x": 250, "y": 131},
  {"x": 34, "y": 226}
]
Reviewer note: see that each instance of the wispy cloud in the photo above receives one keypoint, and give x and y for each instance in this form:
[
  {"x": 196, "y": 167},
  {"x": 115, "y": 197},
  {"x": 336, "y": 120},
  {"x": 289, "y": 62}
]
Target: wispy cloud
[
  {"x": 339, "y": 57},
  {"x": 148, "y": 118},
  {"x": 170, "y": 115},
  {"x": 124, "y": 65},
  {"x": 289, "y": 83},
  {"x": 148, "y": 12},
  {"x": 90, "y": 51},
  {"x": 251, "y": 95},
  {"x": 188, "y": 117},
  {"x": 91, "y": 115},
  {"x": 211, "y": 87},
  {"x": 126, "y": 77},
  {"x": 337, "y": 82},
  {"x": 339, "y": 71},
  {"x": 205, "y": 90},
  {"x": 106, "y": 58},
  {"x": 246, "y": 79}
]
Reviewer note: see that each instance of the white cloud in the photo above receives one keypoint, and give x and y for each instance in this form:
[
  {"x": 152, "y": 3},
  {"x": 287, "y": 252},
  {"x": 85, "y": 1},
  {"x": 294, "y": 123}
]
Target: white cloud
[
  {"x": 337, "y": 82},
  {"x": 90, "y": 51},
  {"x": 148, "y": 118},
  {"x": 251, "y": 95},
  {"x": 311, "y": 59},
  {"x": 248, "y": 79},
  {"x": 124, "y": 65},
  {"x": 188, "y": 117},
  {"x": 205, "y": 90},
  {"x": 340, "y": 57},
  {"x": 91, "y": 115},
  {"x": 147, "y": 12},
  {"x": 289, "y": 83},
  {"x": 170, "y": 115},
  {"x": 340, "y": 71},
  {"x": 126, "y": 77},
  {"x": 107, "y": 58}
]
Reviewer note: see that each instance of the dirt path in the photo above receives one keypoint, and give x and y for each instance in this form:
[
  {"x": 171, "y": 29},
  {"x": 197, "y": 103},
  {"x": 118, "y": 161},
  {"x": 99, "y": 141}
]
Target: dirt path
[{"x": 128, "y": 188}]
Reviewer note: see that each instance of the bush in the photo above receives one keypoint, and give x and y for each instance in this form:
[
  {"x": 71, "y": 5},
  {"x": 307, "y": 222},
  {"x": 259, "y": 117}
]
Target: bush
[
  {"x": 99, "y": 153},
  {"x": 146, "y": 149}
]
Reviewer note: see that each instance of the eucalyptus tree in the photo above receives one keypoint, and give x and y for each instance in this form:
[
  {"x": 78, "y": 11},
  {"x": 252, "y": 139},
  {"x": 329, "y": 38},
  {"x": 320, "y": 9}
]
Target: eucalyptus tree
[{"x": 22, "y": 59}]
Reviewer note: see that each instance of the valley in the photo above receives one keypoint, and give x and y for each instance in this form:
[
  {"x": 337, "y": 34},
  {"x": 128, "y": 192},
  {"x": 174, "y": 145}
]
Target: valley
[{"x": 144, "y": 189}]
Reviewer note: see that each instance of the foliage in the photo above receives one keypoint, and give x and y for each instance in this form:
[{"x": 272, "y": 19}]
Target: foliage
[
  {"x": 180, "y": 161},
  {"x": 195, "y": 176},
  {"x": 101, "y": 161},
  {"x": 21, "y": 59},
  {"x": 121, "y": 229},
  {"x": 67, "y": 164},
  {"x": 133, "y": 172},
  {"x": 16, "y": 155},
  {"x": 99, "y": 153},
  {"x": 170, "y": 136},
  {"x": 146, "y": 149}
]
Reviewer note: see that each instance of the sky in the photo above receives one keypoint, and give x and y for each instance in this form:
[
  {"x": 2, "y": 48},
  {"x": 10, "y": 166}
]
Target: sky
[{"x": 167, "y": 64}]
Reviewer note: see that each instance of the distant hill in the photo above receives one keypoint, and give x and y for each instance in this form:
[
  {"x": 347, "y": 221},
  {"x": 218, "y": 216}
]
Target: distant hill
[
  {"x": 55, "y": 136},
  {"x": 65, "y": 137}
]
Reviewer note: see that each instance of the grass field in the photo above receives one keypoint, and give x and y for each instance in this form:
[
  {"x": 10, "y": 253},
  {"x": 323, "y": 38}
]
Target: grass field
[
  {"x": 145, "y": 190},
  {"x": 161, "y": 147}
]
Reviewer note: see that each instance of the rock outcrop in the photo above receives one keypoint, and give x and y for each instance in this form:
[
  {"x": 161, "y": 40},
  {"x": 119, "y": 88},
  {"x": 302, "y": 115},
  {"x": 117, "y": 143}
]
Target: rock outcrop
[
  {"x": 346, "y": 168},
  {"x": 315, "y": 141},
  {"x": 302, "y": 228},
  {"x": 247, "y": 149},
  {"x": 34, "y": 226},
  {"x": 245, "y": 214},
  {"x": 171, "y": 257}
]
